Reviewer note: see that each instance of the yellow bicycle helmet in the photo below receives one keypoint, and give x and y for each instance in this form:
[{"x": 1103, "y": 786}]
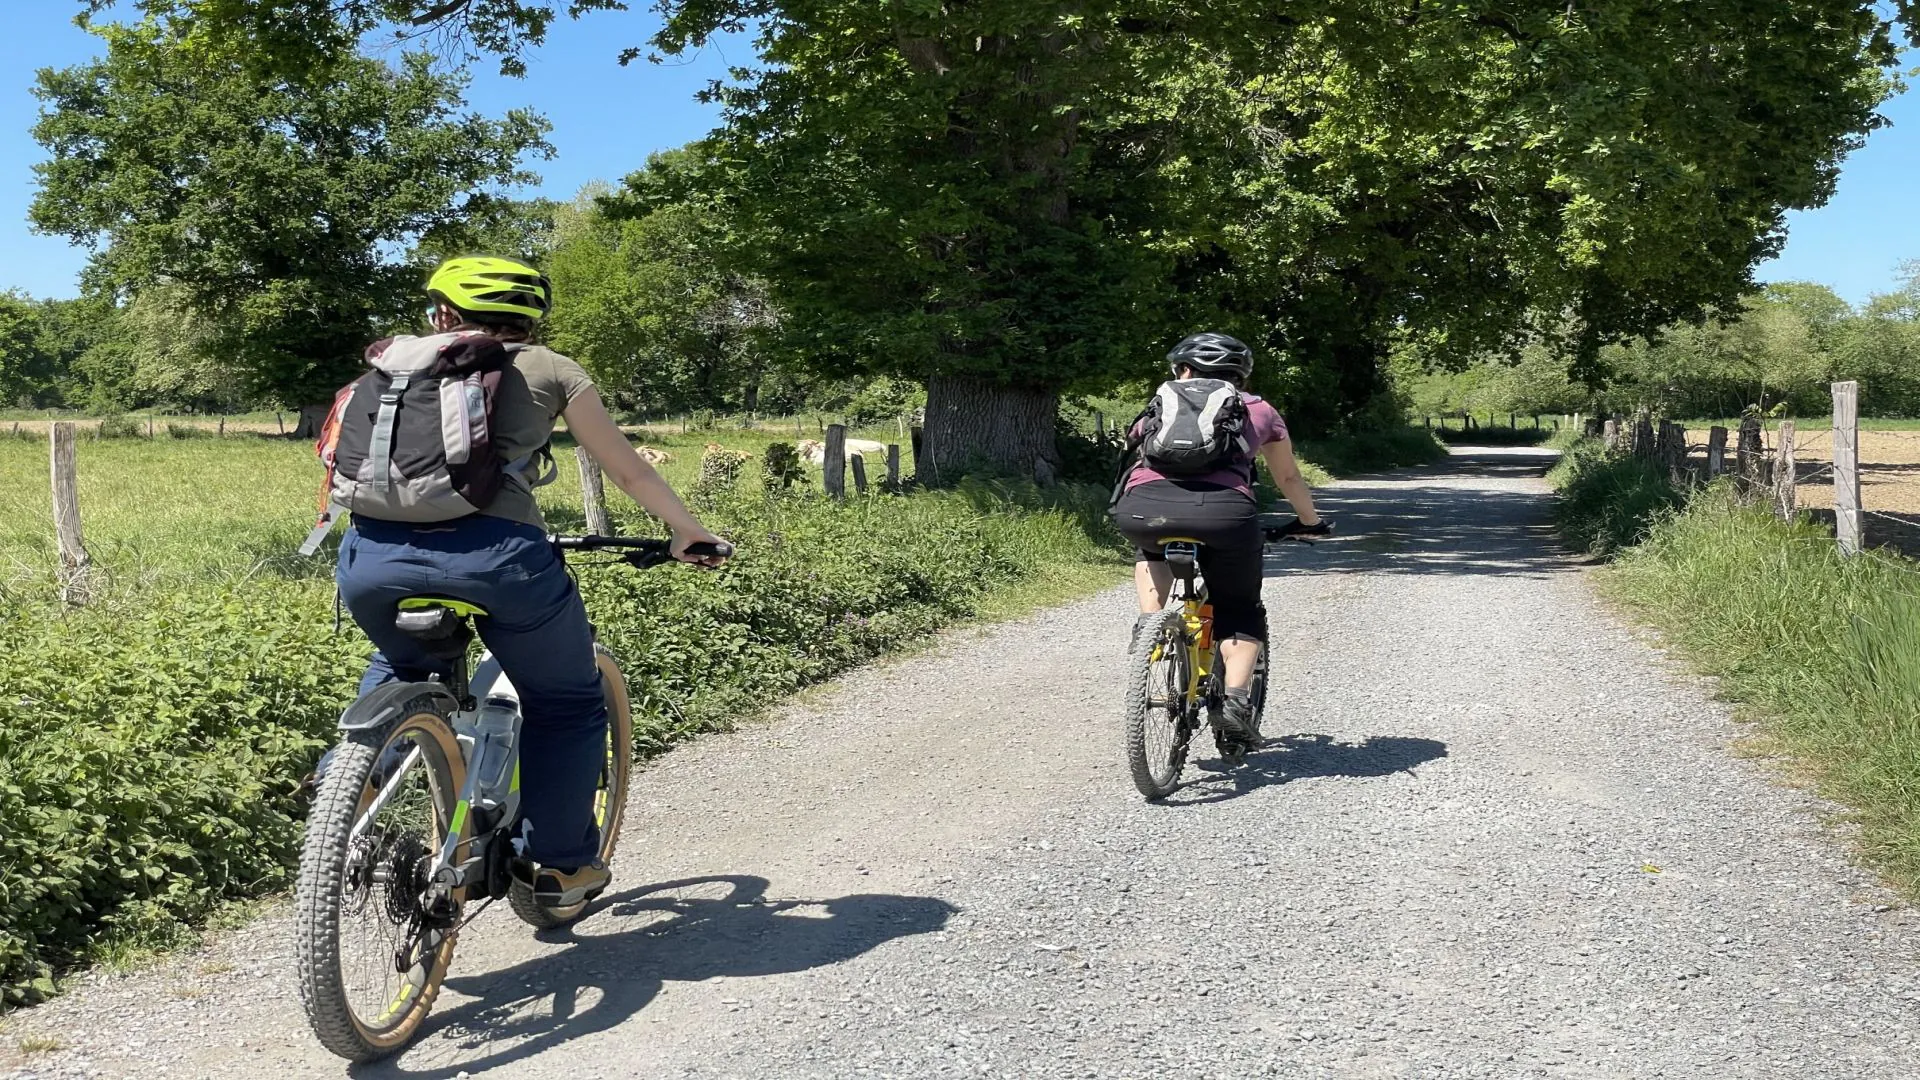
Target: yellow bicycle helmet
[{"x": 480, "y": 284}]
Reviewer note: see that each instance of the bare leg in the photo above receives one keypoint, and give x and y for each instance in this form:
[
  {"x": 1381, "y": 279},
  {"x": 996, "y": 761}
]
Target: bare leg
[
  {"x": 1153, "y": 581},
  {"x": 1238, "y": 656}
]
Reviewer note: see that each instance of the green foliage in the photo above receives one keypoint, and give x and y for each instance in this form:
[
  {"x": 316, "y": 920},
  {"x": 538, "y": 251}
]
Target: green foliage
[
  {"x": 1043, "y": 194},
  {"x": 149, "y": 755},
  {"x": 1821, "y": 647},
  {"x": 1609, "y": 502},
  {"x": 275, "y": 218},
  {"x": 647, "y": 302},
  {"x": 1779, "y": 347},
  {"x": 782, "y": 467},
  {"x": 1371, "y": 451}
]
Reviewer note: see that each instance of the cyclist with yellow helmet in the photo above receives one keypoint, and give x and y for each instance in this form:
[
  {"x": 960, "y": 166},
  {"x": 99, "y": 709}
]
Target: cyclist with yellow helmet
[{"x": 500, "y": 559}]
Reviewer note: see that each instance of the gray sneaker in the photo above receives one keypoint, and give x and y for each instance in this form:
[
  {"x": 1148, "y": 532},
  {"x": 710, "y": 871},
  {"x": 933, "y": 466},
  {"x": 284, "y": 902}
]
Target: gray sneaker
[{"x": 563, "y": 888}]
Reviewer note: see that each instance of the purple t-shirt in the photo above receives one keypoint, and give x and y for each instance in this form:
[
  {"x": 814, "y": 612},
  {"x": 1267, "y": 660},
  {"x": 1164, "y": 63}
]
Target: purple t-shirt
[{"x": 1264, "y": 426}]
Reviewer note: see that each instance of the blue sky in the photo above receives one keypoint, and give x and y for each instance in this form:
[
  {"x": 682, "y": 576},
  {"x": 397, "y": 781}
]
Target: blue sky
[{"x": 606, "y": 119}]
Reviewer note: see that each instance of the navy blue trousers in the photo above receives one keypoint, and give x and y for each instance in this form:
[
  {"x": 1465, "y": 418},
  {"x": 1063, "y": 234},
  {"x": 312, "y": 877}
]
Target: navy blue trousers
[{"x": 537, "y": 628}]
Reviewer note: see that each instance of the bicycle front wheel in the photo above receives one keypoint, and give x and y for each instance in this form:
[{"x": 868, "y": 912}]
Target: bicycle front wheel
[
  {"x": 370, "y": 956},
  {"x": 609, "y": 797},
  {"x": 1159, "y": 710}
]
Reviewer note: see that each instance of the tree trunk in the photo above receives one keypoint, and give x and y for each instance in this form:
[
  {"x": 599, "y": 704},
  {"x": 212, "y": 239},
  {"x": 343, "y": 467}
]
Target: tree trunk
[
  {"x": 973, "y": 424},
  {"x": 311, "y": 417}
]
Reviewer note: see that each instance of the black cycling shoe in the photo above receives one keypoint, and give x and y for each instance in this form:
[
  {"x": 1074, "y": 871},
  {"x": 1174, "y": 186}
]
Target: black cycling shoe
[{"x": 1235, "y": 731}]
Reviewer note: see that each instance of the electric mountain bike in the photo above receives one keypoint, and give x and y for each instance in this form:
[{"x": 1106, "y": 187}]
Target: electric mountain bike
[
  {"x": 1175, "y": 681},
  {"x": 413, "y": 823}
]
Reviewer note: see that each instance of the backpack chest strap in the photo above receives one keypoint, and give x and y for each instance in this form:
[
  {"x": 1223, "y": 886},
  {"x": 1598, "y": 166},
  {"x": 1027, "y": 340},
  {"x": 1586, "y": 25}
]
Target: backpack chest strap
[{"x": 380, "y": 454}]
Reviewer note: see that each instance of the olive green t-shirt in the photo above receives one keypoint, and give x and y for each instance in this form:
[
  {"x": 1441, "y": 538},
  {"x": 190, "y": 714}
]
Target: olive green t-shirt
[{"x": 530, "y": 399}]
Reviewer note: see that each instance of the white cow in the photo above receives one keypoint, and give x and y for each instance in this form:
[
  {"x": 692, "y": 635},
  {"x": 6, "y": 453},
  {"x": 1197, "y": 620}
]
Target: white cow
[{"x": 815, "y": 451}]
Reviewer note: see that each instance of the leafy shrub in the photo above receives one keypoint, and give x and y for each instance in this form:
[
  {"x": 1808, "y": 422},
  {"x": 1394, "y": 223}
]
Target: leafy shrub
[
  {"x": 148, "y": 758},
  {"x": 120, "y": 427},
  {"x": 187, "y": 431},
  {"x": 1609, "y": 501},
  {"x": 719, "y": 470},
  {"x": 782, "y": 466},
  {"x": 885, "y": 399}
]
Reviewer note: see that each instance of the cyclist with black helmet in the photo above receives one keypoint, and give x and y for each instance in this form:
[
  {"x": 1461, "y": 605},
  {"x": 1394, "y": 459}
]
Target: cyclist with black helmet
[
  {"x": 1213, "y": 503},
  {"x": 500, "y": 559}
]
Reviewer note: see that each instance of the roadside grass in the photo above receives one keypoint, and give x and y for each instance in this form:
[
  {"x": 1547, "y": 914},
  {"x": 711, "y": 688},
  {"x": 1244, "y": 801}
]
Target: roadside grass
[
  {"x": 1821, "y": 652},
  {"x": 1607, "y": 502}
]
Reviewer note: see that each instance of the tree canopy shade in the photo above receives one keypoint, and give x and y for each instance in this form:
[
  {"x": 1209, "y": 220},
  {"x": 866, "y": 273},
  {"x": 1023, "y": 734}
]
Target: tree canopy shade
[
  {"x": 275, "y": 212},
  {"x": 1012, "y": 198}
]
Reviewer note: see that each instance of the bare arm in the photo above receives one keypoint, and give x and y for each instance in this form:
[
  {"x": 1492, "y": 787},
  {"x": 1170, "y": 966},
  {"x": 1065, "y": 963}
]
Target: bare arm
[
  {"x": 1286, "y": 474},
  {"x": 599, "y": 436}
]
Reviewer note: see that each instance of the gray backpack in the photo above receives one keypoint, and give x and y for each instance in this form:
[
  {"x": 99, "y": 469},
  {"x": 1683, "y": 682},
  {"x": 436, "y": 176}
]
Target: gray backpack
[
  {"x": 412, "y": 438},
  {"x": 1193, "y": 427}
]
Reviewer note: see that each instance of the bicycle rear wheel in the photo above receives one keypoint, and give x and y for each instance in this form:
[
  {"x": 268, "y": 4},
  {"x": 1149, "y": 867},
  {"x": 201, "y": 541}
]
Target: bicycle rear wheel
[
  {"x": 609, "y": 799},
  {"x": 370, "y": 957},
  {"x": 1159, "y": 713}
]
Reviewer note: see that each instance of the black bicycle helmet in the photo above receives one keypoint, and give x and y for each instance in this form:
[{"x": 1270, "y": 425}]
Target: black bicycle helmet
[{"x": 1213, "y": 354}]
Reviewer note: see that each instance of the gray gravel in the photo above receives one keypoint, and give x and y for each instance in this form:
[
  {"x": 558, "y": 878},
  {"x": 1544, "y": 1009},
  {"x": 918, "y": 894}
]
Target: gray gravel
[{"x": 1499, "y": 836}]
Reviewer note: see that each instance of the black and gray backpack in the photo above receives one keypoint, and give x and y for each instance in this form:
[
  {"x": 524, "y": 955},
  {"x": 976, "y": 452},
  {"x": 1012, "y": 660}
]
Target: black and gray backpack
[
  {"x": 1193, "y": 427},
  {"x": 412, "y": 438}
]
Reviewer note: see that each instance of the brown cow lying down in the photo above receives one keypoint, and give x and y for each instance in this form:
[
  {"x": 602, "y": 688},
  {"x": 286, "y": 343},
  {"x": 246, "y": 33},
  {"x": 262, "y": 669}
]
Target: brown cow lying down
[{"x": 815, "y": 451}]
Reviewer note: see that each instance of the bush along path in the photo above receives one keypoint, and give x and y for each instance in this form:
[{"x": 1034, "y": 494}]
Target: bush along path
[{"x": 1496, "y": 835}]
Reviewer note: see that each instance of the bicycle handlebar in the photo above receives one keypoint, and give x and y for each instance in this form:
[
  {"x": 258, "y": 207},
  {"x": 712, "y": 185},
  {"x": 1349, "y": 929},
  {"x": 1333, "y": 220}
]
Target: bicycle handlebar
[
  {"x": 641, "y": 553},
  {"x": 1296, "y": 531}
]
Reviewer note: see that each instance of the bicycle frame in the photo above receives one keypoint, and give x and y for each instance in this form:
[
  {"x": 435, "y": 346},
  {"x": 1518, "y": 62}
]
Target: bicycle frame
[
  {"x": 450, "y": 876},
  {"x": 1190, "y": 589}
]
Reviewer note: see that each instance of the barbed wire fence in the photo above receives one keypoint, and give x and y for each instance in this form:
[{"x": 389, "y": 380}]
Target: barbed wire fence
[{"x": 1781, "y": 466}]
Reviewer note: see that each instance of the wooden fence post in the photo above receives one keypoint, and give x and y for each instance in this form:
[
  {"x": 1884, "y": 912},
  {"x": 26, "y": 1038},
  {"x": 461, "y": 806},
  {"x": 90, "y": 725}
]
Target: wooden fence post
[
  {"x": 1100, "y": 426},
  {"x": 149, "y": 425},
  {"x": 1846, "y": 467},
  {"x": 1747, "y": 461},
  {"x": 222, "y": 433},
  {"x": 593, "y": 494},
  {"x": 1786, "y": 473},
  {"x": 834, "y": 467},
  {"x": 1429, "y": 421},
  {"x": 1643, "y": 437},
  {"x": 1716, "y": 451},
  {"x": 859, "y": 474},
  {"x": 893, "y": 466},
  {"x": 1610, "y": 434},
  {"x": 75, "y": 567}
]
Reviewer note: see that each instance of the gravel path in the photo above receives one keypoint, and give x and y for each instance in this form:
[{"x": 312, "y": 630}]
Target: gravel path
[{"x": 1501, "y": 837}]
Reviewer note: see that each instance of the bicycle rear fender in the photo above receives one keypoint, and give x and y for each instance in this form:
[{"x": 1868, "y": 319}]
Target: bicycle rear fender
[{"x": 390, "y": 701}]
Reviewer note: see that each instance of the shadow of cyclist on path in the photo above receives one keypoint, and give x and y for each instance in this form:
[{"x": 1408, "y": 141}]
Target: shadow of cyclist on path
[
  {"x": 1303, "y": 757},
  {"x": 629, "y": 946}
]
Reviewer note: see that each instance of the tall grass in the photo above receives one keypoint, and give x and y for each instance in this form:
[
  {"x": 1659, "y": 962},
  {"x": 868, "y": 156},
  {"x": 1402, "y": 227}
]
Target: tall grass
[
  {"x": 1608, "y": 502},
  {"x": 1825, "y": 649}
]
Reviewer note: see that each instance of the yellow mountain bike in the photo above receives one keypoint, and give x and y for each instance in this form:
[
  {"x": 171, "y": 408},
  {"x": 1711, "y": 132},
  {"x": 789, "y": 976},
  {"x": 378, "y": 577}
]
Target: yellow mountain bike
[{"x": 1175, "y": 682}]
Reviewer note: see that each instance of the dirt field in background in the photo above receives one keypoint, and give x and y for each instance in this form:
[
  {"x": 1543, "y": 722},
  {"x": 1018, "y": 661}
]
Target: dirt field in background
[{"x": 1889, "y": 483}]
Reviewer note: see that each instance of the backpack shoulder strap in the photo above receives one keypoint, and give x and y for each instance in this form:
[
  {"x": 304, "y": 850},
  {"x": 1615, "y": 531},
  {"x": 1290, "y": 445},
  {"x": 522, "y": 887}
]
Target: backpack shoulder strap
[{"x": 380, "y": 454}]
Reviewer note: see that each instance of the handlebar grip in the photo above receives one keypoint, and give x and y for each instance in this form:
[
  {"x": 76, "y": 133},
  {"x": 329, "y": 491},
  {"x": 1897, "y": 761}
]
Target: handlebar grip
[{"x": 721, "y": 549}]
